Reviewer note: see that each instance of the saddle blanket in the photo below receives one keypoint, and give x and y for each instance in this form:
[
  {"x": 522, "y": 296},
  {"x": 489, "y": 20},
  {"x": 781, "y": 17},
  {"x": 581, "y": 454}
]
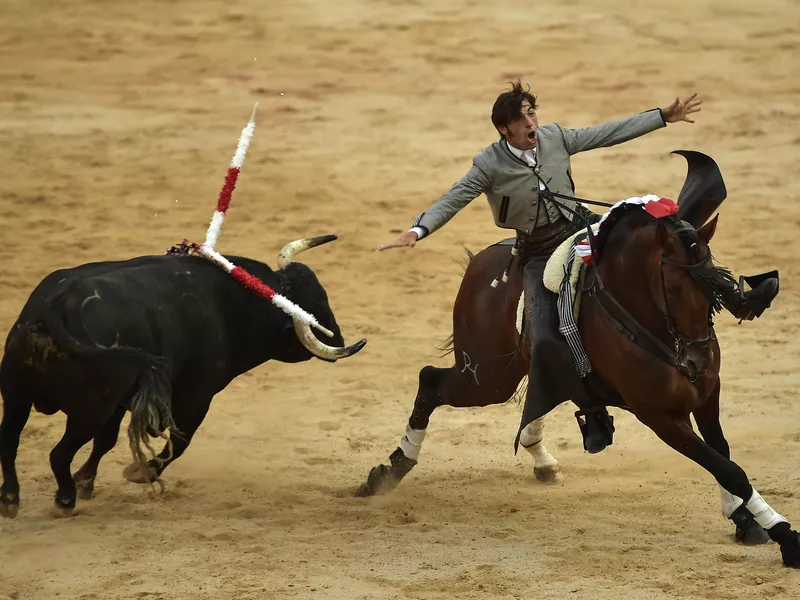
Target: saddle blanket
[{"x": 562, "y": 273}]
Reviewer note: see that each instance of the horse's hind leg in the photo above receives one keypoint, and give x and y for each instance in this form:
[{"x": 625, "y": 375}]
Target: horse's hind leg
[
  {"x": 16, "y": 409},
  {"x": 384, "y": 478},
  {"x": 445, "y": 387},
  {"x": 545, "y": 465},
  {"x": 103, "y": 443},
  {"x": 748, "y": 531}
]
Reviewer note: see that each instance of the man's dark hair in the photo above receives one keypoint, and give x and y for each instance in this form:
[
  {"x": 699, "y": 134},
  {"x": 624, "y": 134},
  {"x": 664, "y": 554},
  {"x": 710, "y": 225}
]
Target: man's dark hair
[{"x": 507, "y": 107}]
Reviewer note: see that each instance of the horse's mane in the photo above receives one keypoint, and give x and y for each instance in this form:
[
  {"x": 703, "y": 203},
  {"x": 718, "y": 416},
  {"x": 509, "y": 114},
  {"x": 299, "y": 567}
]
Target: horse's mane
[{"x": 713, "y": 281}]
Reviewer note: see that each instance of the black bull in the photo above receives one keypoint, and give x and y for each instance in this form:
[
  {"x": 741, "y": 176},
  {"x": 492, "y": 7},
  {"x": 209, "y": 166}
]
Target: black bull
[{"x": 158, "y": 336}]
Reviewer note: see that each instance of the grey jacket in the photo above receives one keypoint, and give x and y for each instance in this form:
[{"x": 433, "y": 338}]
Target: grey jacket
[{"x": 511, "y": 186}]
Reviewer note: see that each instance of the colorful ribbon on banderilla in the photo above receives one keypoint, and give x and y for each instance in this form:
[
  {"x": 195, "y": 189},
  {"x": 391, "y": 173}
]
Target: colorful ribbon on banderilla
[{"x": 207, "y": 251}]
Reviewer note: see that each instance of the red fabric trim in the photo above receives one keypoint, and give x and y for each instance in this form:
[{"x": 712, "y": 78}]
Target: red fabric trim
[
  {"x": 252, "y": 283},
  {"x": 663, "y": 207},
  {"x": 224, "y": 200}
]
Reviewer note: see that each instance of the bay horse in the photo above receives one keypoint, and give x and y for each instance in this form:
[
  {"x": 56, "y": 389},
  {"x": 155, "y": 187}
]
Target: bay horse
[{"x": 646, "y": 325}]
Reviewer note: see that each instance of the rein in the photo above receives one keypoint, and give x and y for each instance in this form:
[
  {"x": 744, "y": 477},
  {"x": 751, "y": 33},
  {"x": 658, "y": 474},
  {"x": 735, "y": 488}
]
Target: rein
[{"x": 629, "y": 326}]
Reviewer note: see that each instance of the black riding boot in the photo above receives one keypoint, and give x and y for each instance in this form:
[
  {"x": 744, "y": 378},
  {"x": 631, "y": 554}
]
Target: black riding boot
[{"x": 748, "y": 305}]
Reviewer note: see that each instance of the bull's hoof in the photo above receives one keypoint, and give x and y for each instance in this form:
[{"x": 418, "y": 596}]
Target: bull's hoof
[
  {"x": 751, "y": 533},
  {"x": 85, "y": 488},
  {"x": 9, "y": 505},
  {"x": 136, "y": 473},
  {"x": 548, "y": 474},
  {"x": 379, "y": 481},
  {"x": 63, "y": 508}
]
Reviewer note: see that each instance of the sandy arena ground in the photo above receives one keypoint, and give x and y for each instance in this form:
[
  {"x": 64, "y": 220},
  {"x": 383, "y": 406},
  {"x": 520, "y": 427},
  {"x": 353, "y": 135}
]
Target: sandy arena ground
[{"x": 118, "y": 121}]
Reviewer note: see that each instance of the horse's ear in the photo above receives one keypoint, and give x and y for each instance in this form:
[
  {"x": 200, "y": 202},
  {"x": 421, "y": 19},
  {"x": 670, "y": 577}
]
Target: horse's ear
[
  {"x": 662, "y": 235},
  {"x": 706, "y": 232}
]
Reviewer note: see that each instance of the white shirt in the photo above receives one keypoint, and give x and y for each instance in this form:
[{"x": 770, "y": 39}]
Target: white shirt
[{"x": 526, "y": 156}]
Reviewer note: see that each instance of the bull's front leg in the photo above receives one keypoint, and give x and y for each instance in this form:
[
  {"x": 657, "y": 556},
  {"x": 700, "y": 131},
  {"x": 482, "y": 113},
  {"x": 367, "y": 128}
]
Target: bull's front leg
[{"x": 188, "y": 411}]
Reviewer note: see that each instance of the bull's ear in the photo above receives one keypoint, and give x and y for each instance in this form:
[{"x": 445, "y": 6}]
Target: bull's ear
[{"x": 706, "y": 232}]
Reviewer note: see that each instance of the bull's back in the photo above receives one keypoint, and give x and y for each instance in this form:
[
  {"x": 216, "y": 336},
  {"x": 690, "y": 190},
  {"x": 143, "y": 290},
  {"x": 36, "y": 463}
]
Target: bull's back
[{"x": 152, "y": 303}]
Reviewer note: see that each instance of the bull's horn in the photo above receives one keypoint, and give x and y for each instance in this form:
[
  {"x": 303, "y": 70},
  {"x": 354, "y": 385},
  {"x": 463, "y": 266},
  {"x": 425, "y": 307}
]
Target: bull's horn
[
  {"x": 288, "y": 252},
  {"x": 317, "y": 348}
]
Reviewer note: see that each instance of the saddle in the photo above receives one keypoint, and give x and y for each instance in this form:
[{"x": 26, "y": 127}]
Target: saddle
[{"x": 562, "y": 271}]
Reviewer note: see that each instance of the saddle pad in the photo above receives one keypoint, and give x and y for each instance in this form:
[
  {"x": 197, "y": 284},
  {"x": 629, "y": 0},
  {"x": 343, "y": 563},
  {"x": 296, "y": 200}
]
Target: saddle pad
[{"x": 554, "y": 270}]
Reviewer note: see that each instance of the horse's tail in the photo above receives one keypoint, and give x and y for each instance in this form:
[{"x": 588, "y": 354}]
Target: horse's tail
[{"x": 151, "y": 403}]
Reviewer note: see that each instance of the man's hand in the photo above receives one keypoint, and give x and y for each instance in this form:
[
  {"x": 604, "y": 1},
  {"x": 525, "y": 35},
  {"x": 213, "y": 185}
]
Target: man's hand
[
  {"x": 409, "y": 238},
  {"x": 678, "y": 110}
]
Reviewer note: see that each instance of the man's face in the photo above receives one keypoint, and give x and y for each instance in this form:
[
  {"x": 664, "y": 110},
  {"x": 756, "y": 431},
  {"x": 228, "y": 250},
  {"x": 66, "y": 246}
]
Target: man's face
[{"x": 522, "y": 132}]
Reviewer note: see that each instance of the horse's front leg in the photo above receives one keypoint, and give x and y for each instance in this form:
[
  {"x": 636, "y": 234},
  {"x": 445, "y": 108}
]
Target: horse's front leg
[
  {"x": 676, "y": 431},
  {"x": 748, "y": 531}
]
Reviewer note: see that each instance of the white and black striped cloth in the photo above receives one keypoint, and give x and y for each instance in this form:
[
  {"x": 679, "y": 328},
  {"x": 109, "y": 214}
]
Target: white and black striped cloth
[{"x": 566, "y": 317}]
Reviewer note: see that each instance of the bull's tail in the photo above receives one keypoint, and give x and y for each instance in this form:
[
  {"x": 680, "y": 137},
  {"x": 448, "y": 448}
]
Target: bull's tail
[
  {"x": 151, "y": 402},
  {"x": 151, "y": 415}
]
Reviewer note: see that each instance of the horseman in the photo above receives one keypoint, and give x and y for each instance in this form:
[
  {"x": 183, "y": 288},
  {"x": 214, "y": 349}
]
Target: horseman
[{"x": 518, "y": 173}]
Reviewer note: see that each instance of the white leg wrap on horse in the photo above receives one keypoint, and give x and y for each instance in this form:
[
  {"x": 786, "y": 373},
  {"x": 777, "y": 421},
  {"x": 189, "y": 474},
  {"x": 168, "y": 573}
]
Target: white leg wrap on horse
[
  {"x": 545, "y": 465},
  {"x": 729, "y": 502},
  {"x": 411, "y": 442},
  {"x": 542, "y": 459},
  {"x": 532, "y": 434},
  {"x": 762, "y": 512}
]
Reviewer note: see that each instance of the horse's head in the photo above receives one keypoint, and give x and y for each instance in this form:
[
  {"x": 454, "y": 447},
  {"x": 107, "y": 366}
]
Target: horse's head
[{"x": 682, "y": 286}]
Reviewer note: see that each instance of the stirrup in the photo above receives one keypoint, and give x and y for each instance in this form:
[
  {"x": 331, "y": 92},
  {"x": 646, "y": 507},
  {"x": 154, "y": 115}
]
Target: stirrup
[{"x": 596, "y": 441}]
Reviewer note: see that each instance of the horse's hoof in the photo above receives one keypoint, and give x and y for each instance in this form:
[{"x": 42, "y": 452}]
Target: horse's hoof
[
  {"x": 136, "y": 473},
  {"x": 790, "y": 551},
  {"x": 379, "y": 481},
  {"x": 548, "y": 474},
  {"x": 9, "y": 505},
  {"x": 85, "y": 488},
  {"x": 364, "y": 491},
  {"x": 751, "y": 533}
]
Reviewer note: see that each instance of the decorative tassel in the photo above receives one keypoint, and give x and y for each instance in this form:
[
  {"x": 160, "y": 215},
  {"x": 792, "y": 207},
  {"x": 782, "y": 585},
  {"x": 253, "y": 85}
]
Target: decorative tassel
[
  {"x": 207, "y": 251},
  {"x": 224, "y": 200}
]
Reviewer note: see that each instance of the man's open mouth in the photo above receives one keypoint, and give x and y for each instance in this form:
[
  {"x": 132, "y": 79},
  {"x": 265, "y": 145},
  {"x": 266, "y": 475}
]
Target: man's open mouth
[{"x": 532, "y": 135}]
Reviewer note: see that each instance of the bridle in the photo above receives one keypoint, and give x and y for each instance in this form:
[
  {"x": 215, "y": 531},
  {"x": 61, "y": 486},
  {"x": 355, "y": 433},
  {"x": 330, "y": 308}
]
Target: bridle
[
  {"x": 682, "y": 342},
  {"x": 628, "y": 325}
]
